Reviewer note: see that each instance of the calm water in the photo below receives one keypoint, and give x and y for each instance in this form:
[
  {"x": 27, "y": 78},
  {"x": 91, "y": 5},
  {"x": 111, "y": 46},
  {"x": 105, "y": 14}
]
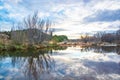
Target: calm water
[{"x": 71, "y": 63}]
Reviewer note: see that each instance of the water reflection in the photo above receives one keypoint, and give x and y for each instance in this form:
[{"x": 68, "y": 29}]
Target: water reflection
[
  {"x": 107, "y": 67},
  {"x": 91, "y": 63},
  {"x": 31, "y": 64},
  {"x": 71, "y": 63},
  {"x": 102, "y": 49}
]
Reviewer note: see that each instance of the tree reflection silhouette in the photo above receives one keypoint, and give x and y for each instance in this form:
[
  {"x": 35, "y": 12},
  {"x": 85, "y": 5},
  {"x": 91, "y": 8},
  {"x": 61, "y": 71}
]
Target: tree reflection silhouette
[
  {"x": 37, "y": 65},
  {"x": 32, "y": 64},
  {"x": 102, "y": 49}
]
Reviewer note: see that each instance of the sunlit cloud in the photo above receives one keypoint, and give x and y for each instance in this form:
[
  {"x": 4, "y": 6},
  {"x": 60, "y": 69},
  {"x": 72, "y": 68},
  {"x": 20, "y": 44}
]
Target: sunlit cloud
[{"x": 71, "y": 16}]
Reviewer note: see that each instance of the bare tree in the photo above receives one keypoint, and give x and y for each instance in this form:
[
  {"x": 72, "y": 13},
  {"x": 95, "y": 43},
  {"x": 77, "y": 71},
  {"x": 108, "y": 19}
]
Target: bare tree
[
  {"x": 118, "y": 36},
  {"x": 33, "y": 30},
  {"x": 98, "y": 36}
]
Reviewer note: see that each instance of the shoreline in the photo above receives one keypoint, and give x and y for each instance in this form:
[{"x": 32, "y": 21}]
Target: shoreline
[
  {"x": 23, "y": 47},
  {"x": 15, "y": 47},
  {"x": 92, "y": 44}
]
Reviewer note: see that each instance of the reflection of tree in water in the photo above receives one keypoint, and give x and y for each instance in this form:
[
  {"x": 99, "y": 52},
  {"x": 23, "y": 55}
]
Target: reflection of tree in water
[
  {"x": 36, "y": 66},
  {"x": 33, "y": 65},
  {"x": 118, "y": 50},
  {"x": 85, "y": 49},
  {"x": 102, "y": 49},
  {"x": 60, "y": 48}
]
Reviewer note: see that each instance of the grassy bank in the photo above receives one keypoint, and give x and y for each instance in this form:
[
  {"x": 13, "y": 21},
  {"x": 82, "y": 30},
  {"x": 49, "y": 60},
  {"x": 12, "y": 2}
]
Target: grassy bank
[{"x": 13, "y": 47}]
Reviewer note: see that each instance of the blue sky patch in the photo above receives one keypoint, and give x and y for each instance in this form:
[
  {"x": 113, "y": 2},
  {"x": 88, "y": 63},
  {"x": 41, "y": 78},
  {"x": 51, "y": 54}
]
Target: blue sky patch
[{"x": 69, "y": 16}]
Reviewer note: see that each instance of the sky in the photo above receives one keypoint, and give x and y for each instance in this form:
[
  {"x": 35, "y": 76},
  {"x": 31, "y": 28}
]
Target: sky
[{"x": 71, "y": 17}]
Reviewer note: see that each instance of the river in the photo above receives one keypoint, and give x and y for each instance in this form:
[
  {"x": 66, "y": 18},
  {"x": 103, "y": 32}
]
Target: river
[{"x": 68, "y": 63}]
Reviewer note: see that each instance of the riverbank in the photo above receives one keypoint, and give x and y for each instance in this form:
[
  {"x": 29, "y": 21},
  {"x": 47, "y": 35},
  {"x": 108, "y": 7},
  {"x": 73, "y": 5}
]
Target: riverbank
[
  {"x": 14, "y": 47},
  {"x": 82, "y": 44}
]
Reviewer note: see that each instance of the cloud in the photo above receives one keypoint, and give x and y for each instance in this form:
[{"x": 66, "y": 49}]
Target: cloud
[
  {"x": 106, "y": 4},
  {"x": 70, "y": 17},
  {"x": 4, "y": 26},
  {"x": 4, "y": 15},
  {"x": 58, "y": 29},
  {"x": 104, "y": 16}
]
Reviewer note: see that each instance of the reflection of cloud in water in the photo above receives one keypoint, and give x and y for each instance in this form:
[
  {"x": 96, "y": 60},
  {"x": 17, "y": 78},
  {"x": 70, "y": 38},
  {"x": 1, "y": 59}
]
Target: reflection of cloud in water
[
  {"x": 74, "y": 63},
  {"x": 88, "y": 65},
  {"x": 28, "y": 66}
]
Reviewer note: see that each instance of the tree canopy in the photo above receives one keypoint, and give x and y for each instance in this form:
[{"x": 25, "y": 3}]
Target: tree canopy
[{"x": 59, "y": 38}]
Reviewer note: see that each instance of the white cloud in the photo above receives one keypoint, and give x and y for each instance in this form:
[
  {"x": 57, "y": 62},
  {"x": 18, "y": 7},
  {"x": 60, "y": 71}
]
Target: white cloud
[
  {"x": 1, "y": 7},
  {"x": 107, "y": 4},
  {"x": 67, "y": 15},
  {"x": 4, "y": 26},
  {"x": 12, "y": 1}
]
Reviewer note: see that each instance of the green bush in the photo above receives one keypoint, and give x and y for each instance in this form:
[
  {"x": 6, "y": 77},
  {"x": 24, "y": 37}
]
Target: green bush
[{"x": 59, "y": 38}]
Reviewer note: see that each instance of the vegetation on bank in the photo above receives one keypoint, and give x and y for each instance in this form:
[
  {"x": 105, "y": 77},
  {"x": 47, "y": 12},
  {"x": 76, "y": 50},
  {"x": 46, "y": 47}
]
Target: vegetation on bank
[
  {"x": 20, "y": 47},
  {"x": 59, "y": 38},
  {"x": 9, "y": 45},
  {"x": 103, "y": 37},
  {"x": 32, "y": 33},
  {"x": 36, "y": 33}
]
